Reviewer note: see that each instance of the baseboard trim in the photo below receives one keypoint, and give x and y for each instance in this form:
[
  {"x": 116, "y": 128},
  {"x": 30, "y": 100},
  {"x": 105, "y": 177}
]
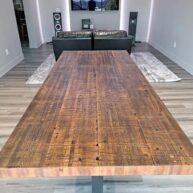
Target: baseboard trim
[
  {"x": 173, "y": 57},
  {"x": 5, "y": 68}
]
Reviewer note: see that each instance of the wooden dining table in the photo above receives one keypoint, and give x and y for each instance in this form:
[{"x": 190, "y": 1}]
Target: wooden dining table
[{"x": 96, "y": 115}]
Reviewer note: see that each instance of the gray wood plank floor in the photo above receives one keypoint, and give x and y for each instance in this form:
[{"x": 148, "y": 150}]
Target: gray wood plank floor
[{"x": 15, "y": 97}]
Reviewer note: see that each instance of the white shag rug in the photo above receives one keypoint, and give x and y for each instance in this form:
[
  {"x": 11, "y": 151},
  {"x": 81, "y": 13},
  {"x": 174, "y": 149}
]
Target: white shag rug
[
  {"x": 152, "y": 68},
  {"x": 41, "y": 73}
]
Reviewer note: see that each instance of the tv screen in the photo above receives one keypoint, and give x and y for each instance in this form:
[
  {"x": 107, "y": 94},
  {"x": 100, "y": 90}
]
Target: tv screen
[{"x": 95, "y": 5}]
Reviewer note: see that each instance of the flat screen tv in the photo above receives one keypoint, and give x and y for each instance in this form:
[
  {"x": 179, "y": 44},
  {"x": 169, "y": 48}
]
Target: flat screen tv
[{"x": 95, "y": 5}]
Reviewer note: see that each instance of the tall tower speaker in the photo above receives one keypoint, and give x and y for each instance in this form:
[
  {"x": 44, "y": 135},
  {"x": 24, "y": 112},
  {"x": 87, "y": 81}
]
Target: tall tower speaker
[
  {"x": 57, "y": 22},
  {"x": 133, "y": 25}
]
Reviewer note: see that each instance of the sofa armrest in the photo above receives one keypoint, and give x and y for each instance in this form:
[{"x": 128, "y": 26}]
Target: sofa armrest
[{"x": 61, "y": 44}]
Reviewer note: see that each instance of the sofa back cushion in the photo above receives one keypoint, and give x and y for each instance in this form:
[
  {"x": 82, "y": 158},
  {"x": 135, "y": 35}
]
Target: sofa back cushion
[
  {"x": 75, "y": 34},
  {"x": 110, "y": 34}
]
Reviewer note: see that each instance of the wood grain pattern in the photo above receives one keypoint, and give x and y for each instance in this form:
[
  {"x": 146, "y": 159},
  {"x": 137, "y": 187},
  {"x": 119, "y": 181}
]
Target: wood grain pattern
[{"x": 96, "y": 115}]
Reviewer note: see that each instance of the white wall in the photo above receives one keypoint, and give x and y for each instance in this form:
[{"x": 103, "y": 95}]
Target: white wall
[
  {"x": 47, "y": 7},
  {"x": 72, "y": 19},
  {"x": 172, "y": 21},
  {"x": 33, "y": 23},
  {"x": 143, "y": 9},
  {"x": 9, "y": 38},
  {"x": 102, "y": 20}
]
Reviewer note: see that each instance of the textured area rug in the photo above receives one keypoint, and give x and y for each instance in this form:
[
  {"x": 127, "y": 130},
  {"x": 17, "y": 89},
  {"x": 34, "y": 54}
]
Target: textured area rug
[
  {"x": 41, "y": 73},
  {"x": 152, "y": 68}
]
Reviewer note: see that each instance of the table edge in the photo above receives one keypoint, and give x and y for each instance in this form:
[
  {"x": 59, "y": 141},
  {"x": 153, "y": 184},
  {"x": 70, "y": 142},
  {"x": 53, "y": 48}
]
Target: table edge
[{"x": 148, "y": 170}]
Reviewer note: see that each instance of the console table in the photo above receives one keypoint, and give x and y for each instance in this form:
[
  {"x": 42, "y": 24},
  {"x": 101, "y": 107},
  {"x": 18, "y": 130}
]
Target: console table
[{"x": 96, "y": 115}]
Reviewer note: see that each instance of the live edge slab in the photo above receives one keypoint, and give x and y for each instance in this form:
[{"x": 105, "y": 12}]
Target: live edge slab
[{"x": 96, "y": 115}]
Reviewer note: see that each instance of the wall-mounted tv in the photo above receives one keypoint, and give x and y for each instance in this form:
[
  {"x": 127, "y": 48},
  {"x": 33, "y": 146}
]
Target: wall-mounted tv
[{"x": 95, "y": 5}]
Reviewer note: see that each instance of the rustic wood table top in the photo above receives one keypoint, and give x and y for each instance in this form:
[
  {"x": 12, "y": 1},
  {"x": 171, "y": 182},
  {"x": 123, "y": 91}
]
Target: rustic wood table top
[{"x": 96, "y": 115}]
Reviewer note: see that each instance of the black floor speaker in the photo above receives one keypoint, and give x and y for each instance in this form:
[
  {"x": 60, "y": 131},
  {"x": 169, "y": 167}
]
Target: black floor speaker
[
  {"x": 57, "y": 22},
  {"x": 133, "y": 25}
]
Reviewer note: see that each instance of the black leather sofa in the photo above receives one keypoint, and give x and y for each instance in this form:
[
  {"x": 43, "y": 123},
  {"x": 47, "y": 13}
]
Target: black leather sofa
[
  {"x": 87, "y": 40},
  {"x": 73, "y": 40},
  {"x": 112, "y": 40}
]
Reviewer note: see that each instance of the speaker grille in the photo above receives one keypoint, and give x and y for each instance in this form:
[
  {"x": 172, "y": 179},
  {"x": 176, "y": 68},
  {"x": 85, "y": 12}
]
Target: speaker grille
[{"x": 57, "y": 22}]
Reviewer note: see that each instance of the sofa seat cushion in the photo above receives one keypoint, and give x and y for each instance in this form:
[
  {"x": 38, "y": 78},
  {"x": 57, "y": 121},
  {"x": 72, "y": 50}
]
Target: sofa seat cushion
[
  {"x": 110, "y": 34},
  {"x": 75, "y": 34}
]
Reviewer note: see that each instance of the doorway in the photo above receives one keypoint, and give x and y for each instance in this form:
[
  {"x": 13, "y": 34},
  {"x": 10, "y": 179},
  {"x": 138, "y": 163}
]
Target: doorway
[{"x": 21, "y": 22}]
